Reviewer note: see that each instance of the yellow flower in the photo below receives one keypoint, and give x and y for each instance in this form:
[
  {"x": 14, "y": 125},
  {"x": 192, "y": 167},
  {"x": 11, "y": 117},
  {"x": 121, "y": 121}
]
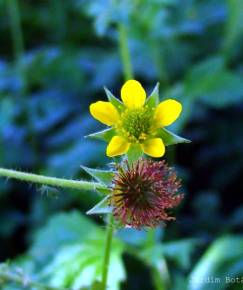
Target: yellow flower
[{"x": 136, "y": 122}]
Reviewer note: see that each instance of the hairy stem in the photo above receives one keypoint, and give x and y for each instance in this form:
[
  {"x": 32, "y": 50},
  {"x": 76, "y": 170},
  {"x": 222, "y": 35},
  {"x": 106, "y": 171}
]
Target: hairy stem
[
  {"x": 52, "y": 181},
  {"x": 108, "y": 243},
  {"x": 124, "y": 51}
]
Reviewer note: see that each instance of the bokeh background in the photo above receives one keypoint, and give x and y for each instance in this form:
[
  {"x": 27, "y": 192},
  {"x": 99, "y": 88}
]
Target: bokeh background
[{"x": 55, "y": 58}]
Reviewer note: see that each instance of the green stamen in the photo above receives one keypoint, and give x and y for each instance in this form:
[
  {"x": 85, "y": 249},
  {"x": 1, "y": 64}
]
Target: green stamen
[{"x": 136, "y": 124}]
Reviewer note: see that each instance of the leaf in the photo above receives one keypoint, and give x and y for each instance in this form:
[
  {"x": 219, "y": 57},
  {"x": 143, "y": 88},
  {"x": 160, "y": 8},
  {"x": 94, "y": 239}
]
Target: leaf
[
  {"x": 234, "y": 25},
  {"x": 214, "y": 84},
  {"x": 80, "y": 265},
  {"x": 152, "y": 255},
  {"x": 224, "y": 89},
  {"x": 119, "y": 105},
  {"x": 170, "y": 138},
  {"x": 180, "y": 251},
  {"x": 220, "y": 260},
  {"x": 100, "y": 208},
  {"x": 73, "y": 247},
  {"x": 153, "y": 100},
  {"x": 60, "y": 230},
  {"x": 103, "y": 176},
  {"x": 104, "y": 135}
]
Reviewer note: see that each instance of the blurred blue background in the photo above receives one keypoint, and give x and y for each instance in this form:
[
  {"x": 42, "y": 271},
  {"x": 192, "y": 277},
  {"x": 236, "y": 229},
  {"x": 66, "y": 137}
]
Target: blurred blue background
[{"x": 55, "y": 58}]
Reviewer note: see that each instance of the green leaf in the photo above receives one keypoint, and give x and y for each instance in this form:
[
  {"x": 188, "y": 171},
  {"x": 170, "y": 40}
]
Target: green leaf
[
  {"x": 152, "y": 255},
  {"x": 234, "y": 25},
  {"x": 117, "y": 103},
  {"x": 60, "y": 230},
  {"x": 221, "y": 260},
  {"x": 101, "y": 208},
  {"x": 170, "y": 138},
  {"x": 224, "y": 89},
  {"x": 180, "y": 251},
  {"x": 103, "y": 176},
  {"x": 213, "y": 83},
  {"x": 80, "y": 265},
  {"x": 104, "y": 135},
  {"x": 153, "y": 100}
]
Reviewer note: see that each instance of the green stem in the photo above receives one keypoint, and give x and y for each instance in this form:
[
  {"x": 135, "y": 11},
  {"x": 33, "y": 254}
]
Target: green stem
[
  {"x": 16, "y": 31},
  {"x": 124, "y": 51},
  {"x": 106, "y": 261},
  {"x": 17, "y": 39},
  {"x": 58, "y": 12},
  {"x": 52, "y": 181},
  {"x": 128, "y": 74},
  {"x": 18, "y": 51}
]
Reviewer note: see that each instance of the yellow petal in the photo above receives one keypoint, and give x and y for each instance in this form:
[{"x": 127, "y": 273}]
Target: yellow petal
[
  {"x": 167, "y": 112},
  {"x": 153, "y": 147},
  {"x": 133, "y": 94},
  {"x": 117, "y": 146},
  {"x": 104, "y": 112}
]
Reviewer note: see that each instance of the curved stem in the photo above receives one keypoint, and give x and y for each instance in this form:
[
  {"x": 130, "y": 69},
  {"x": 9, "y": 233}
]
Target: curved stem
[
  {"x": 124, "y": 50},
  {"x": 52, "y": 181},
  {"x": 106, "y": 261}
]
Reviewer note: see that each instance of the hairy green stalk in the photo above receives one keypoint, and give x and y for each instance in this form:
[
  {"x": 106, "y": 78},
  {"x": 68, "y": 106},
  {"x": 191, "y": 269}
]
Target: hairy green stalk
[
  {"x": 108, "y": 244},
  {"x": 124, "y": 51},
  {"x": 128, "y": 74},
  {"x": 52, "y": 181}
]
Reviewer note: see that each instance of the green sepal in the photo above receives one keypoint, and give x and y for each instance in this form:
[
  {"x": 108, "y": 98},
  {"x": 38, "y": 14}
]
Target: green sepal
[
  {"x": 134, "y": 153},
  {"x": 104, "y": 190},
  {"x": 153, "y": 100},
  {"x": 103, "y": 176},
  {"x": 101, "y": 207},
  {"x": 117, "y": 103},
  {"x": 104, "y": 135},
  {"x": 170, "y": 138}
]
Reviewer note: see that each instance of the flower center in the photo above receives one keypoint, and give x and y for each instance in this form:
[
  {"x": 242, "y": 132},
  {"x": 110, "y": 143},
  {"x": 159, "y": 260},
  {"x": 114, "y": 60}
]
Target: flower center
[{"x": 136, "y": 124}]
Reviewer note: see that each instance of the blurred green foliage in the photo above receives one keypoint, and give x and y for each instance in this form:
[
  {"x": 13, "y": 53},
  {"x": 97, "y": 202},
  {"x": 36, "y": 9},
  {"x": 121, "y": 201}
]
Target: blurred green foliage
[{"x": 56, "y": 56}]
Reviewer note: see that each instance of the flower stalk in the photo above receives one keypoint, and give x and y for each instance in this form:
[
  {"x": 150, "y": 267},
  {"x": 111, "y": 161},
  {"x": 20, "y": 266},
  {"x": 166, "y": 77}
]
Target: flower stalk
[
  {"x": 108, "y": 244},
  {"x": 52, "y": 181},
  {"x": 124, "y": 51}
]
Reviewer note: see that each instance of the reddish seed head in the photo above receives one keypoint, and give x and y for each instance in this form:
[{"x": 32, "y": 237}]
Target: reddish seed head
[{"x": 142, "y": 193}]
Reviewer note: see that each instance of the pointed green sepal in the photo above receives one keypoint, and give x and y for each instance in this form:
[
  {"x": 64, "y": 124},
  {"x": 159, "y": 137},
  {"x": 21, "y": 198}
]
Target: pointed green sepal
[
  {"x": 104, "y": 135},
  {"x": 101, "y": 208},
  {"x": 103, "y": 176},
  {"x": 117, "y": 103},
  {"x": 134, "y": 153},
  {"x": 170, "y": 138},
  {"x": 153, "y": 99}
]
